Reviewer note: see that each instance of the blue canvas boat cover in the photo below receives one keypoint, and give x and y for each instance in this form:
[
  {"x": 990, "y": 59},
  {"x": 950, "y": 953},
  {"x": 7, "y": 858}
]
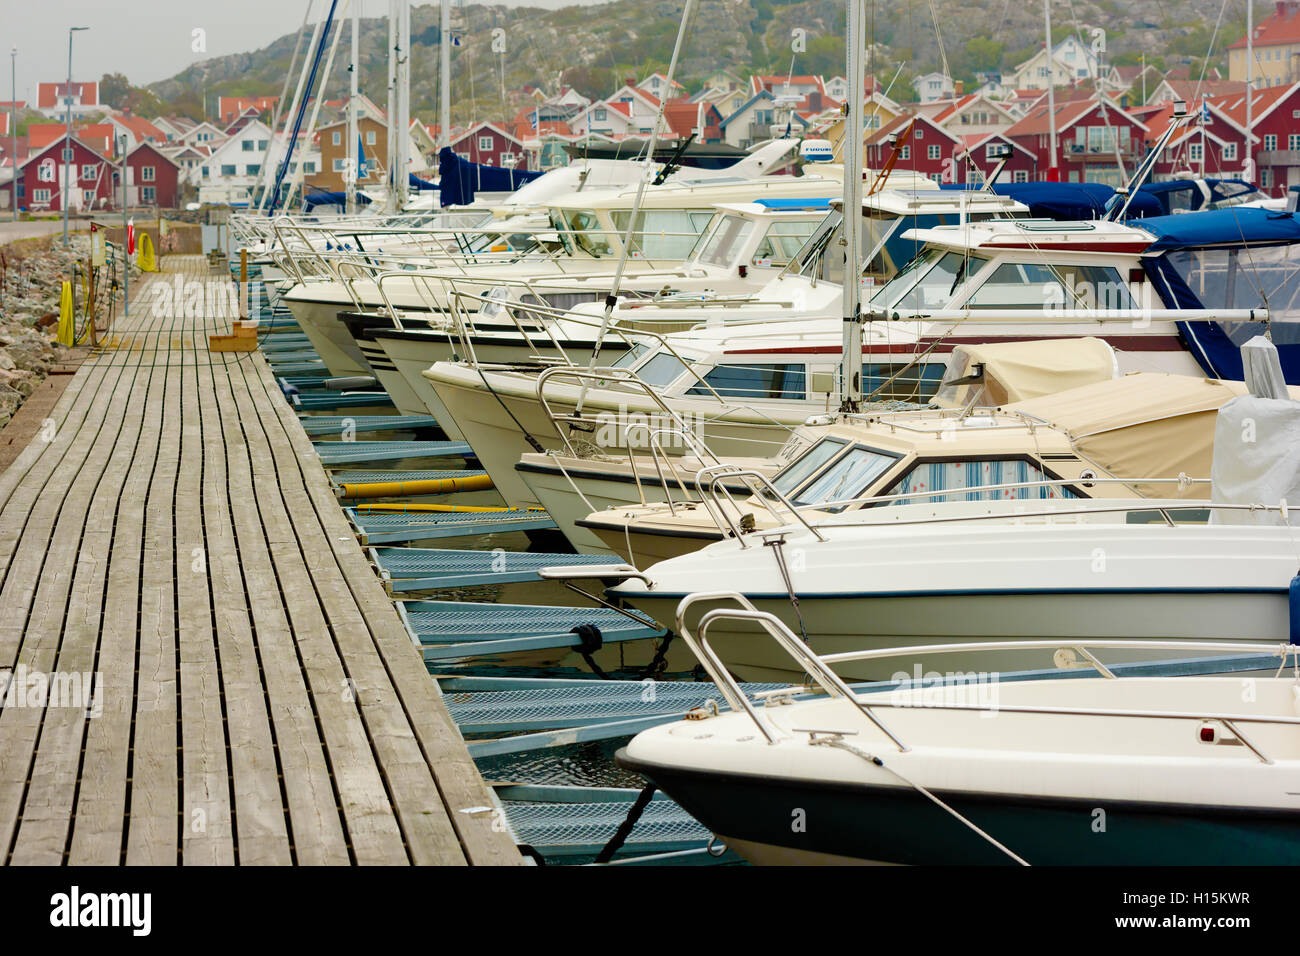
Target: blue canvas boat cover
[
  {"x": 460, "y": 179},
  {"x": 422, "y": 185},
  {"x": 1068, "y": 201},
  {"x": 1232, "y": 227},
  {"x": 323, "y": 198}
]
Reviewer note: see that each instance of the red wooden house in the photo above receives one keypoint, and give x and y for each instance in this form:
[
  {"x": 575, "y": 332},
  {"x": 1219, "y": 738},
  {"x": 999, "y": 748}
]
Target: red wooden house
[
  {"x": 1275, "y": 122},
  {"x": 982, "y": 152},
  {"x": 488, "y": 143},
  {"x": 929, "y": 151},
  {"x": 152, "y": 178},
  {"x": 90, "y": 178},
  {"x": 1090, "y": 130}
]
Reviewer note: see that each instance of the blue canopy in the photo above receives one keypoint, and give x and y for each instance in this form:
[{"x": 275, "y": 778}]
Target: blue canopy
[
  {"x": 1219, "y": 189},
  {"x": 460, "y": 179},
  {"x": 795, "y": 204},
  {"x": 1068, "y": 201},
  {"x": 1231, "y": 227},
  {"x": 420, "y": 184},
  {"x": 323, "y": 198}
]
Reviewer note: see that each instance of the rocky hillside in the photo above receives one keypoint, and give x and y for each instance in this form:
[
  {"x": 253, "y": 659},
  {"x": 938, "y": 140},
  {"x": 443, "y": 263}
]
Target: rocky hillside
[{"x": 595, "y": 47}]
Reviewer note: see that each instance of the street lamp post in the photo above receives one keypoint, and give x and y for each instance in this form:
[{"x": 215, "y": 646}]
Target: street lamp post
[
  {"x": 13, "y": 125},
  {"x": 65, "y": 198}
]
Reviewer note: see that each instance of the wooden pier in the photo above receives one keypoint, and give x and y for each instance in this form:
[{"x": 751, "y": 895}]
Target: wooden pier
[{"x": 170, "y": 529}]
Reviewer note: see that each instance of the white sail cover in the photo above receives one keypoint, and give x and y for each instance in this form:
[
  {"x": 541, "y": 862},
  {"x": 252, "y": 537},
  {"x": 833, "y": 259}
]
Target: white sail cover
[{"x": 1257, "y": 444}]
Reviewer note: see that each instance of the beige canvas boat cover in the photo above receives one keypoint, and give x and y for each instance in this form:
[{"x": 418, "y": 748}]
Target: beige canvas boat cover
[
  {"x": 1016, "y": 371},
  {"x": 1144, "y": 425}
]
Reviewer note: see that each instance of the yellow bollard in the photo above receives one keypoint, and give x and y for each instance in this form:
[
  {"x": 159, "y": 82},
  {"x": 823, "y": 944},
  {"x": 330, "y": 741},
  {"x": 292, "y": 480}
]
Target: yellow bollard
[{"x": 66, "y": 330}]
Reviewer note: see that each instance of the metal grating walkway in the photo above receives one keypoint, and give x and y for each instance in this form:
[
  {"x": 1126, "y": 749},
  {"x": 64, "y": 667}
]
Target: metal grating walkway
[
  {"x": 379, "y": 528},
  {"x": 422, "y": 569},
  {"x": 350, "y": 452},
  {"x": 336, "y": 424}
]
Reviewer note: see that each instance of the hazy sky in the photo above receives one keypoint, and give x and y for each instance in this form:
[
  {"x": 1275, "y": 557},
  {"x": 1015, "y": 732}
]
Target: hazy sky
[{"x": 150, "y": 40}]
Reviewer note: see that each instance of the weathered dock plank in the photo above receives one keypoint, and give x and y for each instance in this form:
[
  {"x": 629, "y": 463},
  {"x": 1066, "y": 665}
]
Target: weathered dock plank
[{"x": 257, "y": 699}]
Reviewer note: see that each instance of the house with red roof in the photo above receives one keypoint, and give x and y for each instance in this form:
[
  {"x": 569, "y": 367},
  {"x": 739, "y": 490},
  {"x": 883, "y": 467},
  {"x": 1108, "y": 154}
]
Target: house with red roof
[
  {"x": 970, "y": 113},
  {"x": 1277, "y": 48},
  {"x": 776, "y": 84},
  {"x": 136, "y": 128},
  {"x": 1275, "y": 134},
  {"x": 682, "y": 118},
  {"x": 980, "y": 154},
  {"x": 100, "y": 137},
  {"x": 231, "y": 108},
  {"x": 656, "y": 84},
  {"x": 42, "y": 134},
  {"x": 53, "y": 99},
  {"x": 929, "y": 151},
  {"x": 41, "y": 177},
  {"x": 492, "y": 145},
  {"x": 152, "y": 177},
  {"x": 1093, "y": 136}
]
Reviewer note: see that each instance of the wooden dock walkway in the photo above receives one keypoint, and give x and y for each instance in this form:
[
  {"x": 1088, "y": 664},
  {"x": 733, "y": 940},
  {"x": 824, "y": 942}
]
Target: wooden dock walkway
[{"x": 171, "y": 529}]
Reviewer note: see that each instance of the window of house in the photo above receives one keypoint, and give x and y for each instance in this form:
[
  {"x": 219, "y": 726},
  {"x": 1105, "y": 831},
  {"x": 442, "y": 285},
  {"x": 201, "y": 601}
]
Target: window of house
[
  {"x": 484, "y": 143},
  {"x": 253, "y": 169},
  {"x": 1293, "y": 141},
  {"x": 261, "y": 145},
  {"x": 932, "y": 152},
  {"x": 88, "y": 197},
  {"x": 205, "y": 173},
  {"x": 228, "y": 169},
  {"x": 337, "y": 138},
  {"x": 88, "y": 171},
  {"x": 1229, "y": 151},
  {"x": 40, "y": 195},
  {"x": 991, "y": 151},
  {"x": 1020, "y": 176},
  {"x": 1265, "y": 178},
  {"x": 247, "y": 145},
  {"x": 1270, "y": 141},
  {"x": 905, "y": 153},
  {"x": 598, "y": 114},
  {"x": 340, "y": 165},
  {"x": 309, "y": 166},
  {"x": 146, "y": 174},
  {"x": 370, "y": 137},
  {"x": 148, "y": 193},
  {"x": 1194, "y": 152}
]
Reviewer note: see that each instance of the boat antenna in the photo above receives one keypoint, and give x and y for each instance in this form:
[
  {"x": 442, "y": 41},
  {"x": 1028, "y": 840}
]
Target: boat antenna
[{"x": 674, "y": 161}]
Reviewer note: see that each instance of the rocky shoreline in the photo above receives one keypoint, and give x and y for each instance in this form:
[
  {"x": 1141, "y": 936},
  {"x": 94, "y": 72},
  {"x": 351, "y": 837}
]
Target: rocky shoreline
[{"x": 32, "y": 272}]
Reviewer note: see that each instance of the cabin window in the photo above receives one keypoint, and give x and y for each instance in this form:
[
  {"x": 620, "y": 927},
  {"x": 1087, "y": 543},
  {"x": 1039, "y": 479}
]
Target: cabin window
[
  {"x": 932, "y": 476},
  {"x": 755, "y": 381},
  {"x": 781, "y": 242},
  {"x": 724, "y": 239},
  {"x": 584, "y": 229},
  {"x": 929, "y": 281},
  {"x": 1033, "y": 285},
  {"x": 661, "y": 369},
  {"x": 802, "y": 468},
  {"x": 850, "y": 477},
  {"x": 1249, "y": 278},
  {"x": 665, "y": 234}
]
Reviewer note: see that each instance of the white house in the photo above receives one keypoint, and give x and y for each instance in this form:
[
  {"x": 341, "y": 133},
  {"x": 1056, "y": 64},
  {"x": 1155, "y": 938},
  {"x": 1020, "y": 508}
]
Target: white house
[
  {"x": 933, "y": 86},
  {"x": 752, "y": 122},
  {"x": 203, "y": 134},
  {"x": 1071, "y": 62},
  {"x": 656, "y": 84},
  {"x": 837, "y": 88},
  {"x": 233, "y": 171}
]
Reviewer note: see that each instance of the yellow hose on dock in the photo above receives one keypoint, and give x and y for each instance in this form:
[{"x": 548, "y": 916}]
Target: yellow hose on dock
[
  {"x": 401, "y": 489},
  {"x": 422, "y": 508}
]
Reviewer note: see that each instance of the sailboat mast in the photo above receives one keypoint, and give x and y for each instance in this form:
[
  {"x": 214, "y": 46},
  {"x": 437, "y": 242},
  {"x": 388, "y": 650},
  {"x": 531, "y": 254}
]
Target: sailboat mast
[
  {"x": 401, "y": 122},
  {"x": 444, "y": 76},
  {"x": 1052, "y": 174},
  {"x": 390, "y": 149},
  {"x": 851, "y": 363},
  {"x": 1249, "y": 170},
  {"x": 354, "y": 144}
]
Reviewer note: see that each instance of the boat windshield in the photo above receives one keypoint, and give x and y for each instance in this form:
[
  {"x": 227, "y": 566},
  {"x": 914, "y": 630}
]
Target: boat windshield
[
  {"x": 664, "y": 234},
  {"x": 1039, "y": 285},
  {"x": 661, "y": 369},
  {"x": 849, "y": 477},
  {"x": 930, "y": 281},
  {"x": 801, "y": 469},
  {"x": 782, "y": 242},
  {"x": 585, "y": 232},
  {"x": 722, "y": 243}
]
